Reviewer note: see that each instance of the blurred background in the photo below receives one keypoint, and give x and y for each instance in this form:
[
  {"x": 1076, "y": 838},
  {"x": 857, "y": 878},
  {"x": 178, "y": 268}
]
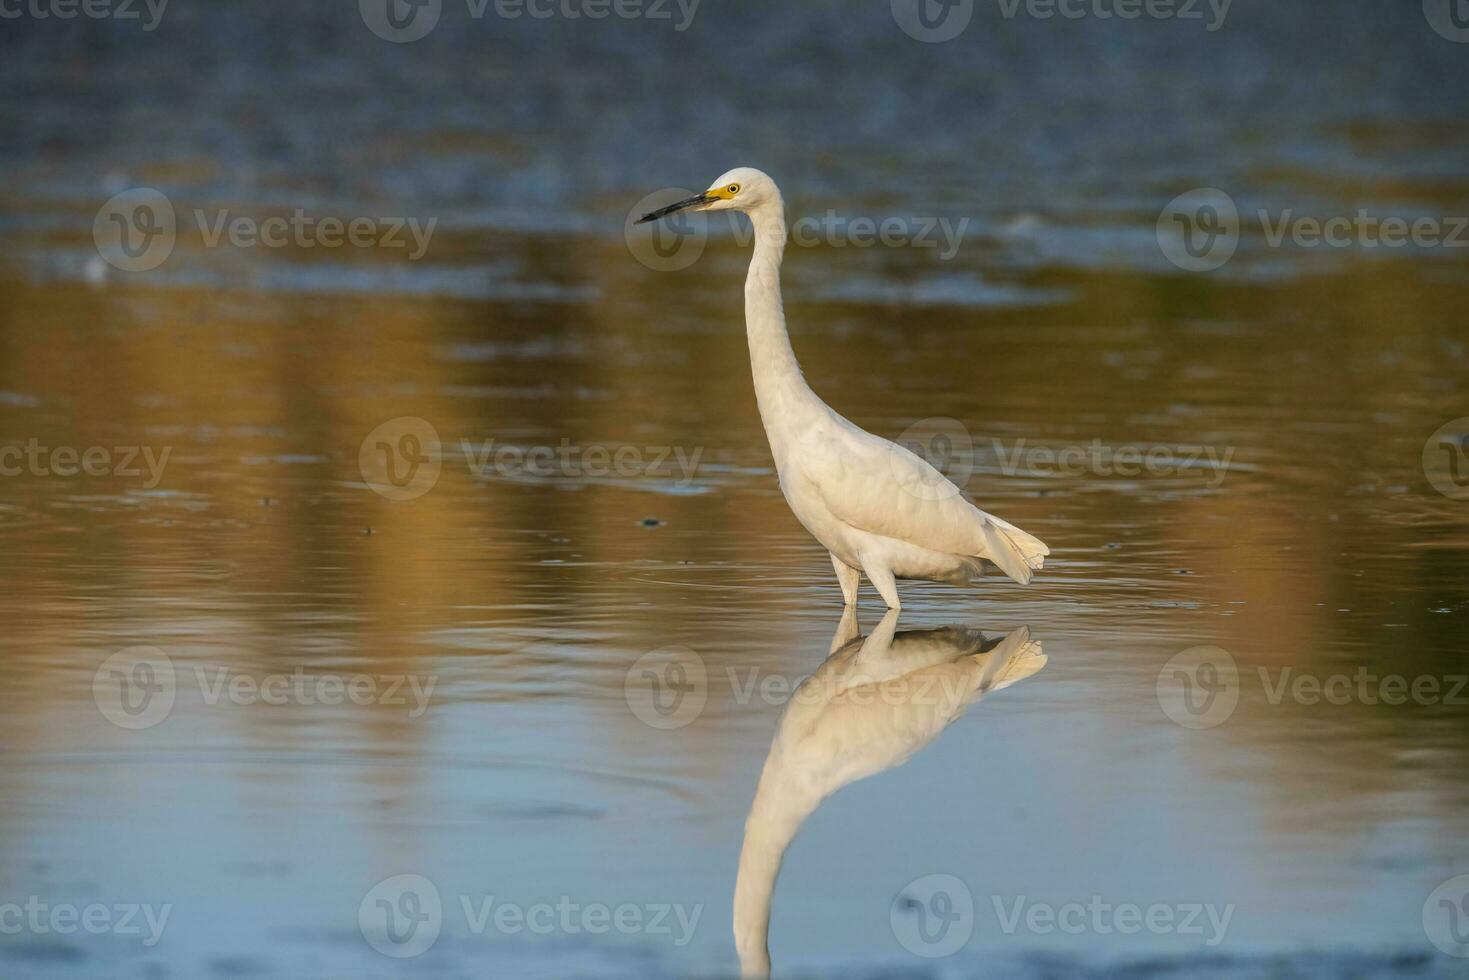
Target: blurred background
[{"x": 310, "y": 460}]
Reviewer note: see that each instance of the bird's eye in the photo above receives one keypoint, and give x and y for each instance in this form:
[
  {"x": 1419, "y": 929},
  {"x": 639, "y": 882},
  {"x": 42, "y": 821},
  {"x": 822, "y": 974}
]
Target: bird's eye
[{"x": 734, "y": 188}]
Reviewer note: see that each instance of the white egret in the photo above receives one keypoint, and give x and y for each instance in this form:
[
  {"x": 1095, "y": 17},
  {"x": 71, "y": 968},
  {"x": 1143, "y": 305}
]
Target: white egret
[
  {"x": 869, "y": 707},
  {"x": 879, "y": 508}
]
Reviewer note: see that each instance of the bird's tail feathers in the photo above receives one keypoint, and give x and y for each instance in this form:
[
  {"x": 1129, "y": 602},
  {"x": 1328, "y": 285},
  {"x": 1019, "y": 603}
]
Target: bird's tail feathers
[{"x": 1018, "y": 554}]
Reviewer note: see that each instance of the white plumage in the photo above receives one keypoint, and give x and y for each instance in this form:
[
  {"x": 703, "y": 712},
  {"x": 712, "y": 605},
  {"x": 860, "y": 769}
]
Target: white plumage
[{"x": 877, "y": 507}]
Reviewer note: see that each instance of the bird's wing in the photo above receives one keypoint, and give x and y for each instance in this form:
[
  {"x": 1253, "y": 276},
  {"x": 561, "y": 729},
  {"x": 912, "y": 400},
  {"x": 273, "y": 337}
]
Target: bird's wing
[{"x": 882, "y": 488}]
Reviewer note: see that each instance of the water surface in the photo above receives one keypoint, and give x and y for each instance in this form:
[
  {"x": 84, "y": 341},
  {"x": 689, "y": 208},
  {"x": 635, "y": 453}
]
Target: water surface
[{"x": 527, "y": 771}]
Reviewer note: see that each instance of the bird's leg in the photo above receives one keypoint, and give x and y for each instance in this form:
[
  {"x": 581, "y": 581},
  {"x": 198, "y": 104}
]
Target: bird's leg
[
  {"x": 882, "y": 580},
  {"x": 848, "y": 578}
]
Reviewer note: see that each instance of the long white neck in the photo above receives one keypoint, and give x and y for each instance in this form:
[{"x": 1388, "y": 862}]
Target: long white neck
[{"x": 785, "y": 400}]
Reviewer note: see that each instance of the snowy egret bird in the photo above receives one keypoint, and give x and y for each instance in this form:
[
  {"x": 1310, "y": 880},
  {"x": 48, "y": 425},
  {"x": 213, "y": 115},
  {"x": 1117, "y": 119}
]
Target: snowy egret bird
[
  {"x": 868, "y": 708},
  {"x": 876, "y": 506}
]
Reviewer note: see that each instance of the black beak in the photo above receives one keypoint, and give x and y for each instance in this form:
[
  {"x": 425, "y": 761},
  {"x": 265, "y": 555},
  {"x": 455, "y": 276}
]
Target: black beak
[{"x": 683, "y": 205}]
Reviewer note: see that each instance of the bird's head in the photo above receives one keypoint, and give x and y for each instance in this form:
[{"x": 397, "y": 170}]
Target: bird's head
[{"x": 741, "y": 189}]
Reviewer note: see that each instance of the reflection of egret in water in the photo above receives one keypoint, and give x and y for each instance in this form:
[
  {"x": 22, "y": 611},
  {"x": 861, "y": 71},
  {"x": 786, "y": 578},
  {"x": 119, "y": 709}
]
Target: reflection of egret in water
[{"x": 871, "y": 705}]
